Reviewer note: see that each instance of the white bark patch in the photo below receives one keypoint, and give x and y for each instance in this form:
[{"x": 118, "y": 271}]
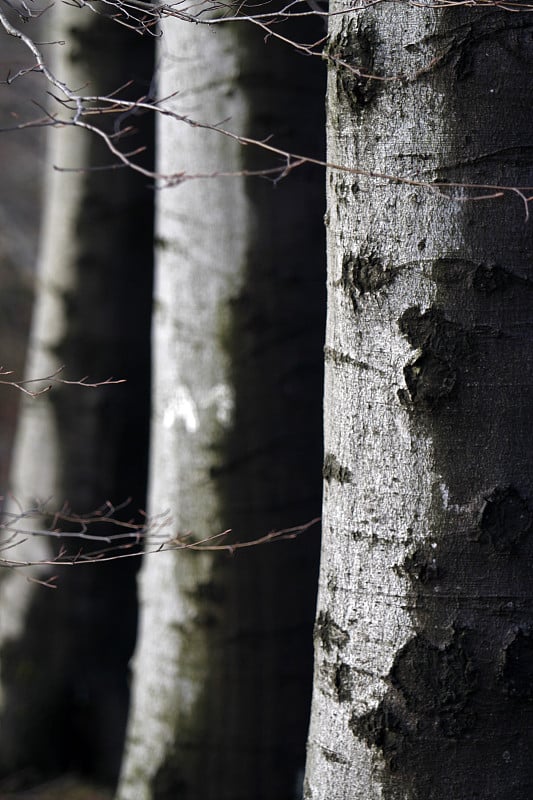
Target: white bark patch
[{"x": 183, "y": 408}]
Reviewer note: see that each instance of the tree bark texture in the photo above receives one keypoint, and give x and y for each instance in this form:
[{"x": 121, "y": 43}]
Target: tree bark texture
[
  {"x": 424, "y": 632},
  {"x": 64, "y": 654},
  {"x": 223, "y": 663}
]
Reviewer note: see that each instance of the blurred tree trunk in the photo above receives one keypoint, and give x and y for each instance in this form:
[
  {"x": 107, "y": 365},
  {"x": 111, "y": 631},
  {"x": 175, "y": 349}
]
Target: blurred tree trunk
[
  {"x": 64, "y": 654},
  {"x": 424, "y": 633},
  {"x": 21, "y": 155},
  {"x": 223, "y": 662}
]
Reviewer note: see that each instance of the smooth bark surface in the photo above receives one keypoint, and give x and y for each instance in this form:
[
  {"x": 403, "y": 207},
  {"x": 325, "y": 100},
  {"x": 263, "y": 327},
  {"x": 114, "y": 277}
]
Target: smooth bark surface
[
  {"x": 64, "y": 654},
  {"x": 424, "y": 631},
  {"x": 223, "y": 663}
]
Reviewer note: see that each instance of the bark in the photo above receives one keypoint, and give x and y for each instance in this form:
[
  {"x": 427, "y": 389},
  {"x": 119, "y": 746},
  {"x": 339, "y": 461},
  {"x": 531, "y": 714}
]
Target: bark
[
  {"x": 423, "y": 680},
  {"x": 64, "y": 654},
  {"x": 223, "y": 661}
]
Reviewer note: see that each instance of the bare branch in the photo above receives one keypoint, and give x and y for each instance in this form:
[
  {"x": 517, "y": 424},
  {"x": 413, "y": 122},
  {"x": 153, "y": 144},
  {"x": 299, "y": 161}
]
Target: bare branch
[
  {"x": 77, "y": 108},
  {"x": 22, "y": 385},
  {"x": 139, "y": 536}
]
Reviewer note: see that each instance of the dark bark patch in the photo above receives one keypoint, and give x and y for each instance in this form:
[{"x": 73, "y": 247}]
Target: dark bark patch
[
  {"x": 450, "y": 271},
  {"x": 429, "y": 379},
  {"x": 490, "y": 279},
  {"x": 338, "y": 357},
  {"x": 429, "y": 330},
  {"x": 351, "y": 53},
  {"x": 365, "y": 273},
  {"x": 343, "y": 683},
  {"x": 421, "y": 566},
  {"x": 431, "y": 375},
  {"x": 428, "y": 700},
  {"x": 332, "y": 757},
  {"x": 160, "y": 243},
  {"x": 505, "y": 519},
  {"x": 334, "y": 471},
  {"x": 435, "y": 682},
  {"x": 383, "y": 729},
  {"x": 516, "y": 673},
  {"x": 329, "y": 633}
]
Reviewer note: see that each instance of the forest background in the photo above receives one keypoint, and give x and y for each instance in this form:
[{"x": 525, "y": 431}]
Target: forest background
[{"x": 423, "y": 626}]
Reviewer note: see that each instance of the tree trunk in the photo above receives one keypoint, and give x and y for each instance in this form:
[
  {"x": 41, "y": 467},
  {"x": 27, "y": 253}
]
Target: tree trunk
[
  {"x": 424, "y": 631},
  {"x": 223, "y": 662},
  {"x": 64, "y": 654},
  {"x": 21, "y": 155}
]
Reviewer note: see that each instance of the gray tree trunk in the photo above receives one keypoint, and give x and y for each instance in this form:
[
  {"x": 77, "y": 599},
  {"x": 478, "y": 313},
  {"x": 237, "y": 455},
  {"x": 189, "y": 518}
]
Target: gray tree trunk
[
  {"x": 64, "y": 654},
  {"x": 223, "y": 664},
  {"x": 424, "y": 631},
  {"x": 21, "y": 155}
]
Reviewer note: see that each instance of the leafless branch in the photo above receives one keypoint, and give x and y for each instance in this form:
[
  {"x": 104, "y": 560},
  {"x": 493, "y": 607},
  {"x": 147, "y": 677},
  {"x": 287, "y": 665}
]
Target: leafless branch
[
  {"x": 129, "y": 538},
  {"x": 22, "y": 385},
  {"x": 79, "y": 108}
]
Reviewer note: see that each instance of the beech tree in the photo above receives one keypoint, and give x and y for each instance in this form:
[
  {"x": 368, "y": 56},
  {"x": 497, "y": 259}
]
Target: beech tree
[
  {"x": 423, "y": 633},
  {"x": 64, "y": 654},
  {"x": 222, "y": 670},
  {"x": 423, "y": 680}
]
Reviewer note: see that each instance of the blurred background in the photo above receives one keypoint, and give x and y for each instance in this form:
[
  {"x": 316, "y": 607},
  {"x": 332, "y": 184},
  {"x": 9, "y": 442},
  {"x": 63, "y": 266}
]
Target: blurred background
[
  {"x": 22, "y": 159},
  {"x": 64, "y": 253},
  {"x": 78, "y": 247}
]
